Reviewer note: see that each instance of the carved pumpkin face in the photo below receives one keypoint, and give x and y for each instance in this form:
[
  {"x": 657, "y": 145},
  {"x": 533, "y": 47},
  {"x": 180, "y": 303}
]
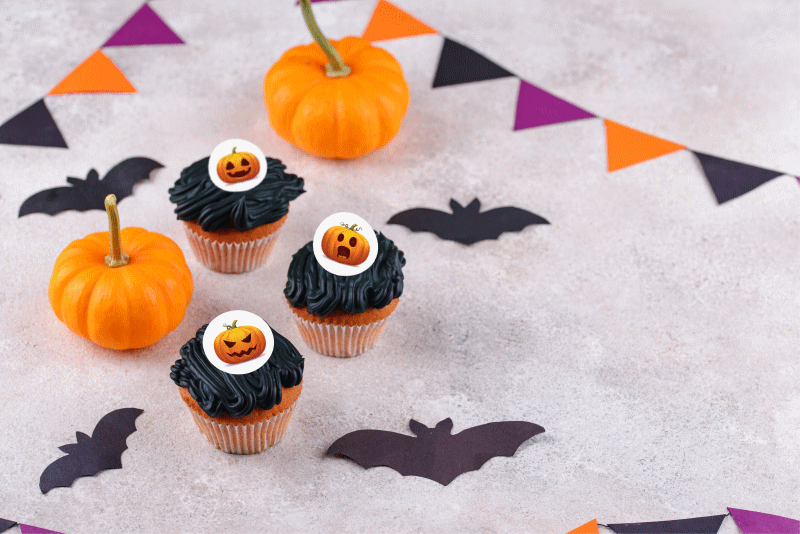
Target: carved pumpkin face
[
  {"x": 239, "y": 344},
  {"x": 343, "y": 244},
  {"x": 237, "y": 167}
]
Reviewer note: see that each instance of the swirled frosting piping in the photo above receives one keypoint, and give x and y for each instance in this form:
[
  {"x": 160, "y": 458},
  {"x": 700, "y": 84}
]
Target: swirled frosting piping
[
  {"x": 322, "y": 292},
  {"x": 198, "y": 199},
  {"x": 219, "y": 393}
]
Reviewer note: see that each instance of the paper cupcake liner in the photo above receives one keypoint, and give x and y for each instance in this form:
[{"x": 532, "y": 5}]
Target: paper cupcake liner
[
  {"x": 245, "y": 439},
  {"x": 340, "y": 341},
  {"x": 233, "y": 258}
]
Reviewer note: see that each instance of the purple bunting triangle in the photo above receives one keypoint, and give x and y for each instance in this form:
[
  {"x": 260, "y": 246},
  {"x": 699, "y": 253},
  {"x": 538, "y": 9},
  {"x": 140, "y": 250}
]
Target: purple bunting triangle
[
  {"x": 33, "y": 126},
  {"x": 730, "y": 179},
  {"x": 30, "y": 529},
  {"x": 537, "y": 107},
  {"x": 694, "y": 525},
  {"x": 760, "y": 523},
  {"x": 145, "y": 27}
]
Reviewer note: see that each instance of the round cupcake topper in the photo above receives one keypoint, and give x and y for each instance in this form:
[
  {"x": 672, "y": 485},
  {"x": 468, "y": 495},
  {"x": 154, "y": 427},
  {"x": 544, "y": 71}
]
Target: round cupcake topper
[
  {"x": 238, "y": 342},
  {"x": 237, "y": 165},
  {"x": 345, "y": 244}
]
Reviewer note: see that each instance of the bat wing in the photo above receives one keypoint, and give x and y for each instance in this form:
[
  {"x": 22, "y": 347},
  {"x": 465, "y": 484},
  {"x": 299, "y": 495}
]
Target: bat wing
[
  {"x": 51, "y": 201},
  {"x": 373, "y": 448},
  {"x": 426, "y": 220},
  {"x": 64, "y": 471},
  {"x": 125, "y": 174},
  {"x": 470, "y": 449},
  {"x": 110, "y": 436},
  {"x": 493, "y": 223}
]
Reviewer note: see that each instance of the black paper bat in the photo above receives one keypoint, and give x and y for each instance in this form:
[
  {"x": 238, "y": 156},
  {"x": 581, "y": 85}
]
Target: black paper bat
[
  {"x": 90, "y": 455},
  {"x": 467, "y": 225},
  {"x": 89, "y": 194},
  {"x": 435, "y": 453}
]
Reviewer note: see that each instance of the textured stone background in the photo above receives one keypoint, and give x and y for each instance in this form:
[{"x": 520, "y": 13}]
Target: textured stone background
[{"x": 650, "y": 331}]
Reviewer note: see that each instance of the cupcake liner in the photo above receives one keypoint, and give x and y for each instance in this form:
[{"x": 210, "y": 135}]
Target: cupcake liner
[
  {"x": 247, "y": 438},
  {"x": 233, "y": 258},
  {"x": 340, "y": 341}
]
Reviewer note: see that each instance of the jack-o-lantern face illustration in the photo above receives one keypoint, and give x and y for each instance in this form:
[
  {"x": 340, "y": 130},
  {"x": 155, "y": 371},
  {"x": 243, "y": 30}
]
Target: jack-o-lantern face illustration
[
  {"x": 237, "y": 167},
  {"x": 239, "y": 344},
  {"x": 343, "y": 244}
]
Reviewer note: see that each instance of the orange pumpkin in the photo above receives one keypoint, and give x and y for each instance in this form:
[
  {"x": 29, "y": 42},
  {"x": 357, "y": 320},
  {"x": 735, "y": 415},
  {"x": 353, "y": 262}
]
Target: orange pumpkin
[
  {"x": 336, "y": 99},
  {"x": 237, "y": 167},
  {"x": 345, "y": 245},
  {"x": 128, "y": 298},
  {"x": 239, "y": 344}
]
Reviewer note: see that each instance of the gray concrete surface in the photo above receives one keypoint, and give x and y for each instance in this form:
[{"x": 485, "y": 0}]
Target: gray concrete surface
[{"x": 652, "y": 333}]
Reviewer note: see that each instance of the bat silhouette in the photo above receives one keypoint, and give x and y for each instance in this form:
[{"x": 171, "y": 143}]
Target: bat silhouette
[
  {"x": 434, "y": 453},
  {"x": 467, "y": 225},
  {"x": 90, "y": 455},
  {"x": 89, "y": 194}
]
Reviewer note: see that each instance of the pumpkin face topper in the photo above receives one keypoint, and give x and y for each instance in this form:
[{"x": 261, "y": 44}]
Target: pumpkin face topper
[
  {"x": 345, "y": 248},
  {"x": 345, "y": 245},
  {"x": 238, "y": 342},
  {"x": 237, "y": 165}
]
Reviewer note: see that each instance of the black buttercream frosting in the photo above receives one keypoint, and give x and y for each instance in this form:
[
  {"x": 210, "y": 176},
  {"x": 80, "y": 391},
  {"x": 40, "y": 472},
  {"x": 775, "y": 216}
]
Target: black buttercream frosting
[
  {"x": 199, "y": 200},
  {"x": 322, "y": 292},
  {"x": 219, "y": 393}
]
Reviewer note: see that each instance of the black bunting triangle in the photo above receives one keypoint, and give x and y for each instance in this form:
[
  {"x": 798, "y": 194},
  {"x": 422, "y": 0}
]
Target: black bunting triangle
[
  {"x": 32, "y": 126},
  {"x": 730, "y": 179},
  {"x": 459, "y": 64},
  {"x": 695, "y": 525},
  {"x": 6, "y": 524}
]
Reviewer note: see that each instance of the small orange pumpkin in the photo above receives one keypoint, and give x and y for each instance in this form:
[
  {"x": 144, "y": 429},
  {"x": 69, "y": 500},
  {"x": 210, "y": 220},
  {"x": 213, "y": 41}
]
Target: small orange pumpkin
[
  {"x": 239, "y": 344},
  {"x": 237, "y": 167},
  {"x": 128, "y": 298},
  {"x": 345, "y": 245},
  {"x": 336, "y": 99}
]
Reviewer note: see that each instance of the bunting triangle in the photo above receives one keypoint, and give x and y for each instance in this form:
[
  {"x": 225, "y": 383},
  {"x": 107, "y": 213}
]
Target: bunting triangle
[
  {"x": 627, "y": 146},
  {"x": 730, "y": 179},
  {"x": 459, "y": 64},
  {"x": 32, "y": 126},
  {"x": 537, "y": 107},
  {"x": 390, "y": 22},
  {"x": 97, "y": 74},
  {"x": 760, "y": 523},
  {"x": 6, "y": 524},
  {"x": 586, "y": 528},
  {"x": 694, "y": 525},
  {"x": 30, "y": 529},
  {"x": 144, "y": 27}
]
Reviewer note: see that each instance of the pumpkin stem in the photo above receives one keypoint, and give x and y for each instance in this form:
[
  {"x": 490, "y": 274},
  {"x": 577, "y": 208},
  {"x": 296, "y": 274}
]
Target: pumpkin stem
[
  {"x": 230, "y": 326},
  {"x": 336, "y": 67},
  {"x": 115, "y": 258},
  {"x": 234, "y": 150}
]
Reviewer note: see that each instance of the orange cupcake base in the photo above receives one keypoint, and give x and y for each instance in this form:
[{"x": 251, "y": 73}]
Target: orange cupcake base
[
  {"x": 340, "y": 334},
  {"x": 250, "y": 434}
]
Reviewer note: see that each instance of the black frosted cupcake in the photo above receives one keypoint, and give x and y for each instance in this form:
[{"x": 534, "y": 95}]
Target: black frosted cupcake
[
  {"x": 343, "y": 316},
  {"x": 240, "y": 414},
  {"x": 233, "y": 232}
]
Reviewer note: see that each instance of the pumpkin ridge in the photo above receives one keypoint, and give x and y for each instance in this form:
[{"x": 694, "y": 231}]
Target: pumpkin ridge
[
  {"x": 64, "y": 307},
  {"x": 154, "y": 317}
]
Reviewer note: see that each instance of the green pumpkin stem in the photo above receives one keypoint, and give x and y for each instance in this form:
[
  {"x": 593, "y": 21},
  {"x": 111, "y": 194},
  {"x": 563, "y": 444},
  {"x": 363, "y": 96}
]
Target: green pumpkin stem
[
  {"x": 336, "y": 67},
  {"x": 234, "y": 150},
  {"x": 353, "y": 227},
  {"x": 115, "y": 258},
  {"x": 230, "y": 326}
]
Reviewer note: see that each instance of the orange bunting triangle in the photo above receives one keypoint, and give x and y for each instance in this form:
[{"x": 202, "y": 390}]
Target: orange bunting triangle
[
  {"x": 390, "y": 22},
  {"x": 97, "y": 74},
  {"x": 586, "y": 528},
  {"x": 627, "y": 146}
]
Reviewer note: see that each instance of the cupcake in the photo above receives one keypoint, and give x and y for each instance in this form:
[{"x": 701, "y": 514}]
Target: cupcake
[
  {"x": 240, "y": 413},
  {"x": 233, "y": 231},
  {"x": 343, "y": 316}
]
